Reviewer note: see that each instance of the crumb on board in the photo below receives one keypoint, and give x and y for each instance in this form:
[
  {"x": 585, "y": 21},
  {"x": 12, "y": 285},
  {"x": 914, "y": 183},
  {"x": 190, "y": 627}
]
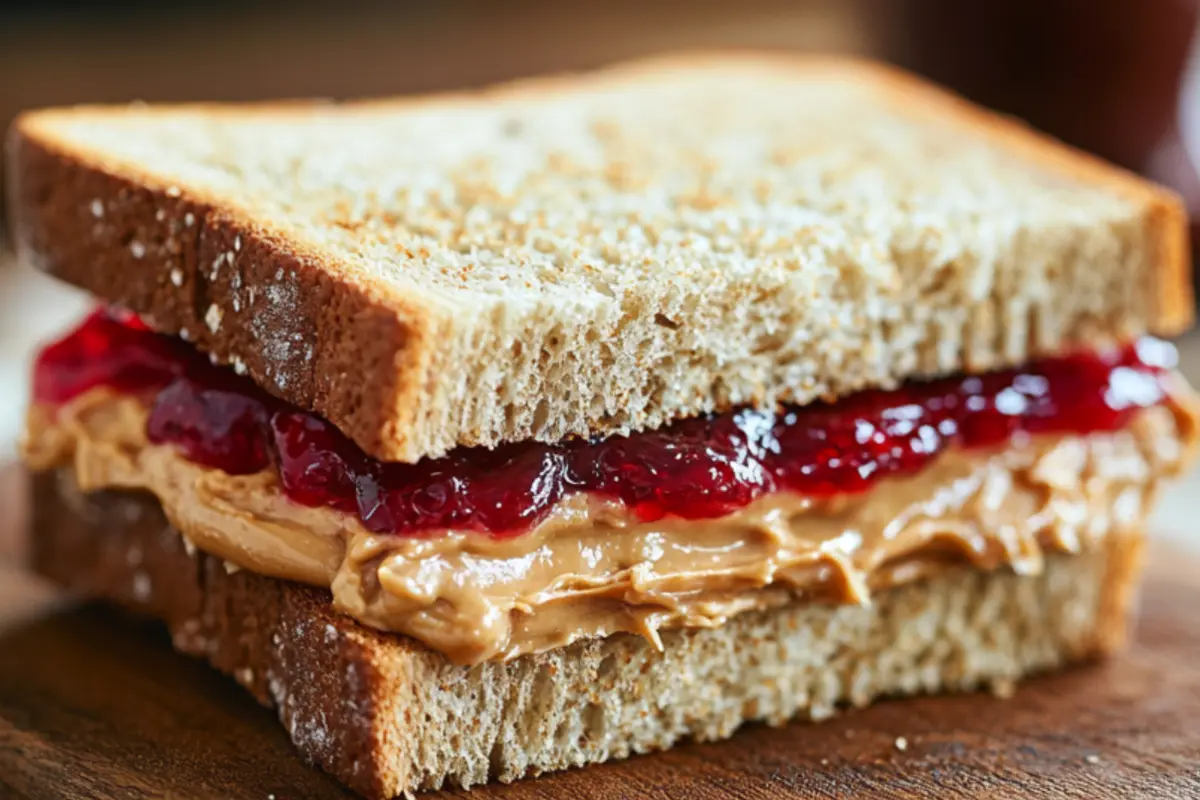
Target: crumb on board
[
  {"x": 901, "y": 743},
  {"x": 1092, "y": 758}
]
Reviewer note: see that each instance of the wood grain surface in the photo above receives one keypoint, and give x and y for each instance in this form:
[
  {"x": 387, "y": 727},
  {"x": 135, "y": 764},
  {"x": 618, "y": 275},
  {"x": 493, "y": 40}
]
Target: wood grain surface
[{"x": 95, "y": 704}]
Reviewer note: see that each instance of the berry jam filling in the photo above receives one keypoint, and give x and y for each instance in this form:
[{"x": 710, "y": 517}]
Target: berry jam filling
[{"x": 703, "y": 467}]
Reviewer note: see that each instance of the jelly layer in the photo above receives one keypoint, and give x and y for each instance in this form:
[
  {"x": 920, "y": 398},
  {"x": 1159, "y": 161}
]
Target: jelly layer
[{"x": 698, "y": 468}]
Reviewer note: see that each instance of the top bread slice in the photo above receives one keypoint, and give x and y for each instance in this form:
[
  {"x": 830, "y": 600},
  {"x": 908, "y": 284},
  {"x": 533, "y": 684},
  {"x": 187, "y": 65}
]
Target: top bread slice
[{"x": 598, "y": 253}]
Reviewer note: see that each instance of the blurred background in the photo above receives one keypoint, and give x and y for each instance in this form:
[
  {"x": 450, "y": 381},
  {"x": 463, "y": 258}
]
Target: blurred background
[{"x": 1120, "y": 78}]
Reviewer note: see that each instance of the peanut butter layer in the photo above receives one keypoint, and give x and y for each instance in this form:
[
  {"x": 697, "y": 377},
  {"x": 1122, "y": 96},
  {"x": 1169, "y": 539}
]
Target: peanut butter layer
[{"x": 593, "y": 569}]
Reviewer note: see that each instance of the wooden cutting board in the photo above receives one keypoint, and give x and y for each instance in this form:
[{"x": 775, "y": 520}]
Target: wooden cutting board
[{"x": 93, "y": 704}]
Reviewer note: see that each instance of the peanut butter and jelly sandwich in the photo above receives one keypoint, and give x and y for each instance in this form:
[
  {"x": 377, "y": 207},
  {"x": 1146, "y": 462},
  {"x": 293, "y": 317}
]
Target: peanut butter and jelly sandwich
[{"x": 500, "y": 432}]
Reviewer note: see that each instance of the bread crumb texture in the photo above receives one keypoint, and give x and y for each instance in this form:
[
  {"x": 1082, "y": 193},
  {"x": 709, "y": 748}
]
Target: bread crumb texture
[
  {"x": 602, "y": 254},
  {"x": 440, "y": 724}
]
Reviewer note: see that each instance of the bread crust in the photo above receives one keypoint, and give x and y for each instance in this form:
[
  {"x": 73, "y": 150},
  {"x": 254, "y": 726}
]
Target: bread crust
[
  {"x": 131, "y": 238},
  {"x": 266, "y": 634},
  {"x": 148, "y": 230},
  {"x": 386, "y": 716}
]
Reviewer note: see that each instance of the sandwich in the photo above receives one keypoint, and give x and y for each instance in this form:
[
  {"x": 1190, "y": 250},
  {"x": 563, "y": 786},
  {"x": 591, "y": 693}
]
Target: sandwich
[{"x": 489, "y": 434}]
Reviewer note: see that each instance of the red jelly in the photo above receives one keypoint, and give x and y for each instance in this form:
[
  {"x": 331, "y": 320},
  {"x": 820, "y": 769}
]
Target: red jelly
[
  {"x": 697, "y": 468},
  {"x": 108, "y": 349}
]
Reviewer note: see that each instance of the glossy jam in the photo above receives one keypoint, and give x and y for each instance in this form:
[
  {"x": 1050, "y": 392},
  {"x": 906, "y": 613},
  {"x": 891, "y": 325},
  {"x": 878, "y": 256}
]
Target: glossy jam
[{"x": 696, "y": 468}]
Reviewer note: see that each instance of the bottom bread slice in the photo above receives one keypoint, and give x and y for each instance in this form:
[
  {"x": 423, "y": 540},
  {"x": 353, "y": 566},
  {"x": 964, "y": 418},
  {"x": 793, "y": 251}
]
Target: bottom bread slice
[{"x": 386, "y": 715}]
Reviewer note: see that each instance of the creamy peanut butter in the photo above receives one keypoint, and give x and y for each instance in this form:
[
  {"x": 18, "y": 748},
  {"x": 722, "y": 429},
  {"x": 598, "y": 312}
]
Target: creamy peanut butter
[{"x": 592, "y": 569}]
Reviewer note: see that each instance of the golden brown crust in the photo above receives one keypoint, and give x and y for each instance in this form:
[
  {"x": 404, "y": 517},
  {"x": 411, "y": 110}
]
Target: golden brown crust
[
  {"x": 151, "y": 250},
  {"x": 154, "y": 246},
  {"x": 257, "y": 629}
]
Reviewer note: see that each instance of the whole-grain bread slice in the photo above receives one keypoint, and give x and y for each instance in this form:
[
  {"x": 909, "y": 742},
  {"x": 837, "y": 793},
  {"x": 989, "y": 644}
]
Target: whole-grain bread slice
[
  {"x": 386, "y": 716},
  {"x": 600, "y": 253}
]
